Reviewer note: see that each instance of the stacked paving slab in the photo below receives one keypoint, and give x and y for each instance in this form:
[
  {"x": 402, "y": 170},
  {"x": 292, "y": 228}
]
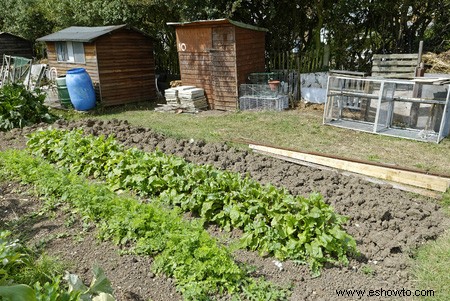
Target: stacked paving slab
[{"x": 184, "y": 99}]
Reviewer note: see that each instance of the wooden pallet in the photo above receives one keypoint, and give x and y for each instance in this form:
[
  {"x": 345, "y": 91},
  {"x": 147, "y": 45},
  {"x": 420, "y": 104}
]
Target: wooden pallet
[{"x": 398, "y": 65}]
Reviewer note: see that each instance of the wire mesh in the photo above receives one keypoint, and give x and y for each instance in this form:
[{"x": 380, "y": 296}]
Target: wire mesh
[
  {"x": 263, "y": 97},
  {"x": 264, "y": 77},
  {"x": 410, "y": 109}
]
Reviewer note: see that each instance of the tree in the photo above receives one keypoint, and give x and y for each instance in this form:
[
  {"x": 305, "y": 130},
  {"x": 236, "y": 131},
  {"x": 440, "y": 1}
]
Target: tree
[
  {"x": 361, "y": 28},
  {"x": 356, "y": 28}
]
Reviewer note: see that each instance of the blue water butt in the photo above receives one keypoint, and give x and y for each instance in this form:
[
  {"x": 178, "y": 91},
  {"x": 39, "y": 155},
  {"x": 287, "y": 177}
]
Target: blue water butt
[{"x": 81, "y": 90}]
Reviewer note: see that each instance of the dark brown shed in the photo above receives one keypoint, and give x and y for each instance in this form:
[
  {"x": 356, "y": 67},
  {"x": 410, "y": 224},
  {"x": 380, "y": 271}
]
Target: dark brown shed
[
  {"x": 218, "y": 55},
  {"x": 15, "y": 46},
  {"x": 119, "y": 60}
]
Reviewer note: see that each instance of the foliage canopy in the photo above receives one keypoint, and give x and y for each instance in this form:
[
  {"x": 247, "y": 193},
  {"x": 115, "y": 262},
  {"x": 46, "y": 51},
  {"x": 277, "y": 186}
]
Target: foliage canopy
[{"x": 354, "y": 29}]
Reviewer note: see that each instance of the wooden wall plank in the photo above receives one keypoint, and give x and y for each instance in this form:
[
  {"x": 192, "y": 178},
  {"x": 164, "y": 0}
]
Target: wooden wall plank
[
  {"x": 405, "y": 56},
  {"x": 250, "y": 53},
  {"x": 61, "y": 67},
  {"x": 216, "y": 68},
  {"x": 192, "y": 40},
  {"x": 126, "y": 67},
  {"x": 15, "y": 46}
]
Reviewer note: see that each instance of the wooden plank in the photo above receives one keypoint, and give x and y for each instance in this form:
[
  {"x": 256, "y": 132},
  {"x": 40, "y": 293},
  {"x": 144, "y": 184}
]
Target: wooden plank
[
  {"x": 407, "y": 177},
  {"x": 224, "y": 106},
  {"x": 409, "y": 56},
  {"x": 187, "y": 63},
  {"x": 228, "y": 89},
  {"x": 229, "y": 102},
  {"x": 193, "y": 73},
  {"x": 193, "y": 55},
  {"x": 225, "y": 96},
  {"x": 193, "y": 39},
  {"x": 224, "y": 57},
  {"x": 224, "y": 81},
  {"x": 394, "y": 63},
  {"x": 392, "y": 69},
  {"x": 195, "y": 79},
  {"x": 127, "y": 85},
  {"x": 413, "y": 189}
]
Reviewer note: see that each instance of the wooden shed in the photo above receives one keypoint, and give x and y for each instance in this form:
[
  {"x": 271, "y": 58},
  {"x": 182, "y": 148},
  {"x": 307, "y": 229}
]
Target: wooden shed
[
  {"x": 218, "y": 55},
  {"x": 118, "y": 58},
  {"x": 15, "y": 46}
]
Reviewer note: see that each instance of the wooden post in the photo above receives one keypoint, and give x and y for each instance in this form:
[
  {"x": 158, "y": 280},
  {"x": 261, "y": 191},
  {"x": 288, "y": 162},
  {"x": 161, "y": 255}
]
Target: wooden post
[
  {"x": 299, "y": 79},
  {"x": 417, "y": 89},
  {"x": 326, "y": 56}
]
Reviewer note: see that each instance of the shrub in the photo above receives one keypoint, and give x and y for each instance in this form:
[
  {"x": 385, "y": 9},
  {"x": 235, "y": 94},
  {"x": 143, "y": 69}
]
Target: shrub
[{"x": 20, "y": 107}]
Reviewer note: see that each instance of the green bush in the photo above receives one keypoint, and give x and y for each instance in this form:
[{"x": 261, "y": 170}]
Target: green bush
[{"x": 20, "y": 107}]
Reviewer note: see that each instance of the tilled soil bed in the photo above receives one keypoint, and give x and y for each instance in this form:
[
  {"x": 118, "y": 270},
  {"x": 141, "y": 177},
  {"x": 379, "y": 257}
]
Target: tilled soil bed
[{"x": 388, "y": 224}]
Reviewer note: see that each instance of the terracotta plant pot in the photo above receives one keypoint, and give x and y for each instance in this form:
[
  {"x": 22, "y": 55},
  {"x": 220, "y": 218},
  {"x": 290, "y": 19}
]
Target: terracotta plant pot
[{"x": 273, "y": 84}]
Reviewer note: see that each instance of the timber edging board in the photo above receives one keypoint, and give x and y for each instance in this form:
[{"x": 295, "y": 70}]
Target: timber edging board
[{"x": 417, "y": 179}]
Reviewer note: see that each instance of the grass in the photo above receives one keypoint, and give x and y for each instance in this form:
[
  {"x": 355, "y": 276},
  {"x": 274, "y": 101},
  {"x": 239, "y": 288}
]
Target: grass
[
  {"x": 432, "y": 263},
  {"x": 301, "y": 129}
]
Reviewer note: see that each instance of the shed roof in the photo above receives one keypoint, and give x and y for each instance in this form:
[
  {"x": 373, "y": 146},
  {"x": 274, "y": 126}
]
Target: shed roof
[
  {"x": 10, "y": 34},
  {"x": 82, "y": 33},
  {"x": 218, "y": 22}
]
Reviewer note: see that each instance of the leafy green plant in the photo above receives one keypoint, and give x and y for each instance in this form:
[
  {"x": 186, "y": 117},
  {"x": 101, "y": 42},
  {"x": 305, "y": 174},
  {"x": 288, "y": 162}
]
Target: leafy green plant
[
  {"x": 274, "y": 222},
  {"x": 19, "y": 292},
  {"x": 99, "y": 290},
  {"x": 19, "y": 265},
  {"x": 22, "y": 278},
  {"x": 12, "y": 256},
  {"x": 368, "y": 270},
  {"x": 20, "y": 107},
  {"x": 182, "y": 249}
]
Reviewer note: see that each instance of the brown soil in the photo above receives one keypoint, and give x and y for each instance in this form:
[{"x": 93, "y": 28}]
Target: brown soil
[{"x": 388, "y": 224}]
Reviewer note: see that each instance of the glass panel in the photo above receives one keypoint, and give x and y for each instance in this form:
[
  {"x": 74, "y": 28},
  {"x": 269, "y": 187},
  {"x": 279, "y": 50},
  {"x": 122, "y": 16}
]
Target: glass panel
[
  {"x": 78, "y": 52},
  {"x": 61, "y": 51},
  {"x": 70, "y": 52}
]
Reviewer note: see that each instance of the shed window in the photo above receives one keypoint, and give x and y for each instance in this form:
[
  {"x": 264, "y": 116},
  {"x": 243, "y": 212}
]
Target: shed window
[{"x": 72, "y": 52}]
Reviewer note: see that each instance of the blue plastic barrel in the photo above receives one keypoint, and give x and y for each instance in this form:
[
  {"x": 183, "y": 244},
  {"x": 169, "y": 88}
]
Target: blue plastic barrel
[{"x": 81, "y": 90}]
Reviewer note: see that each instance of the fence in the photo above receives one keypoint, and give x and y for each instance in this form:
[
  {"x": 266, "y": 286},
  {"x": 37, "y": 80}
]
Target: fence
[
  {"x": 287, "y": 66},
  {"x": 301, "y": 62}
]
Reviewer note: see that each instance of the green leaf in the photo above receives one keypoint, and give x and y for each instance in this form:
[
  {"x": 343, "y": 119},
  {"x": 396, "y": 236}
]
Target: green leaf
[
  {"x": 100, "y": 284},
  {"x": 235, "y": 214},
  {"x": 103, "y": 297},
  {"x": 20, "y": 292},
  {"x": 75, "y": 283},
  {"x": 207, "y": 206}
]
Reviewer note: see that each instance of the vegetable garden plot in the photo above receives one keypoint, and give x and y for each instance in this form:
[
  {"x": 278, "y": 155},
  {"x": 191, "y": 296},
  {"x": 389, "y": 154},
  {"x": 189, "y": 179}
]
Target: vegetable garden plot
[
  {"x": 386, "y": 223},
  {"x": 273, "y": 221}
]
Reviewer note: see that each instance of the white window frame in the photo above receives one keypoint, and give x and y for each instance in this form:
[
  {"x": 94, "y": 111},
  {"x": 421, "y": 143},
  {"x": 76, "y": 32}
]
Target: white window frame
[{"x": 65, "y": 52}]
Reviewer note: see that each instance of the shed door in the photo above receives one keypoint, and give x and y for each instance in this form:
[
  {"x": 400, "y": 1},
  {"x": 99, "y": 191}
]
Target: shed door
[{"x": 224, "y": 75}]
